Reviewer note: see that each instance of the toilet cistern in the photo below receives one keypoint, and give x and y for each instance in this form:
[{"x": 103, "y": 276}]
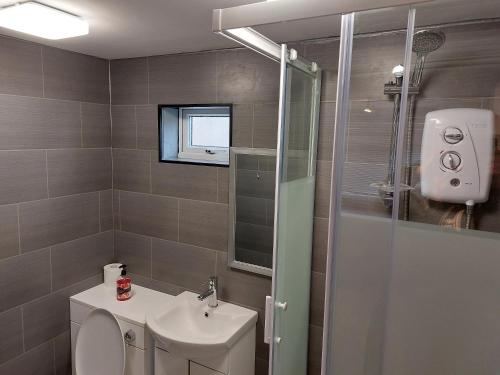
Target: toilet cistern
[{"x": 210, "y": 293}]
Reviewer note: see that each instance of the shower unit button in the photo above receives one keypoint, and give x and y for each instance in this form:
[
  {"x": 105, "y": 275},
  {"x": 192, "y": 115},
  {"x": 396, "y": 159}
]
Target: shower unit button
[
  {"x": 451, "y": 160},
  {"x": 453, "y": 135}
]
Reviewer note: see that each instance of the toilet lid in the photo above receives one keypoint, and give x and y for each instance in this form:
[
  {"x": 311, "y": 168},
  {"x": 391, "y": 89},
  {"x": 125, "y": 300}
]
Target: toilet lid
[{"x": 100, "y": 347}]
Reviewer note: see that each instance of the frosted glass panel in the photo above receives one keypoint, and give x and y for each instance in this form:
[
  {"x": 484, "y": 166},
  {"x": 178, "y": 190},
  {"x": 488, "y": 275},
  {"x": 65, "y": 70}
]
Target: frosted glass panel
[{"x": 295, "y": 224}]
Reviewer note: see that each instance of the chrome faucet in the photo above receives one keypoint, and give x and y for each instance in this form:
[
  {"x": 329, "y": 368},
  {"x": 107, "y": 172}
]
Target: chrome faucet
[{"x": 210, "y": 293}]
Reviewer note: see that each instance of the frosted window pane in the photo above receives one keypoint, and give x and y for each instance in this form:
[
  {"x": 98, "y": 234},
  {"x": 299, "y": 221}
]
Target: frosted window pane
[{"x": 209, "y": 131}]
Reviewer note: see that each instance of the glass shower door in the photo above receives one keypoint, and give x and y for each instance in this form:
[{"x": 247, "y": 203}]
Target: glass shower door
[{"x": 296, "y": 168}]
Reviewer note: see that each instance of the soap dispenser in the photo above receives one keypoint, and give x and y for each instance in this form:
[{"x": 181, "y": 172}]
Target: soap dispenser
[{"x": 123, "y": 285}]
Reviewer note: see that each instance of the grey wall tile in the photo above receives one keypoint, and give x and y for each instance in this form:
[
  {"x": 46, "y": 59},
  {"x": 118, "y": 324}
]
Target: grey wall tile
[
  {"x": 323, "y": 183},
  {"x": 9, "y": 231},
  {"x": 11, "y": 330},
  {"x": 240, "y": 287},
  {"x": 96, "y": 125},
  {"x": 178, "y": 79},
  {"x": 265, "y": 126},
  {"x": 26, "y": 166},
  {"x": 317, "y": 302},
  {"x": 39, "y": 361},
  {"x": 78, "y": 171},
  {"x": 129, "y": 80},
  {"x": 251, "y": 210},
  {"x": 320, "y": 244},
  {"x": 203, "y": 223},
  {"x": 45, "y": 319},
  {"x": 147, "y": 127},
  {"x": 424, "y": 106},
  {"x": 47, "y": 222},
  {"x": 124, "y": 126},
  {"x": 23, "y": 278},
  {"x": 131, "y": 170},
  {"x": 326, "y": 54},
  {"x": 62, "y": 348},
  {"x": 369, "y": 142},
  {"x": 134, "y": 251},
  {"x": 49, "y": 317},
  {"x": 261, "y": 348},
  {"x": 184, "y": 265},
  {"x": 20, "y": 67},
  {"x": 242, "y": 125},
  {"x": 255, "y": 184},
  {"x": 185, "y": 181},
  {"x": 150, "y": 215},
  {"x": 358, "y": 177},
  {"x": 116, "y": 209},
  {"x": 38, "y": 123},
  {"x": 326, "y": 127},
  {"x": 315, "y": 348},
  {"x": 79, "y": 259},
  {"x": 261, "y": 366},
  {"x": 73, "y": 76},
  {"x": 365, "y": 205},
  {"x": 244, "y": 76},
  {"x": 157, "y": 285},
  {"x": 106, "y": 210},
  {"x": 223, "y": 185},
  {"x": 254, "y": 237}
]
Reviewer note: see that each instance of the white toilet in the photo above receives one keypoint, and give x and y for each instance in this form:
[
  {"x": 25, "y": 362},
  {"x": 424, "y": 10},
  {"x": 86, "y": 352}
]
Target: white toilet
[
  {"x": 109, "y": 337},
  {"x": 100, "y": 345}
]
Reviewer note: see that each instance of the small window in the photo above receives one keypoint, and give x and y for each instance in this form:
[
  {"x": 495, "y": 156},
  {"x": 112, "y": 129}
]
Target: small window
[{"x": 195, "y": 134}]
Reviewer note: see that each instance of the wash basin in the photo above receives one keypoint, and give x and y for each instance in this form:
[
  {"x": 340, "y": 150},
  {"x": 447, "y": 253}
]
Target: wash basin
[{"x": 191, "y": 329}]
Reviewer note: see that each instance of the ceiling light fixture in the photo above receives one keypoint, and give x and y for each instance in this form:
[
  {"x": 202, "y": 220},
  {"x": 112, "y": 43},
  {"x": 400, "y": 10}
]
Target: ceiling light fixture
[{"x": 43, "y": 21}]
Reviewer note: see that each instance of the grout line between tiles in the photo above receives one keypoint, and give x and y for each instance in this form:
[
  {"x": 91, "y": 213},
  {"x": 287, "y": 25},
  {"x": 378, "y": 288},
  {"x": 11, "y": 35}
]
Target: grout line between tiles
[
  {"x": 81, "y": 126},
  {"x": 136, "y": 128},
  {"x": 178, "y": 220},
  {"x": 43, "y": 71},
  {"x": 99, "y": 213},
  {"x": 54, "y": 355},
  {"x": 47, "y": 172},
  {"x": 22, "y": 328},
  {"x": 50, "y": 269},
  {"x": 147, "y": 73},
  {"x": 19, "y": 228}
]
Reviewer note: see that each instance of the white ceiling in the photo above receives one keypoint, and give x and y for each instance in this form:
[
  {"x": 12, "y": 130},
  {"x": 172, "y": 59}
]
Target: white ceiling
[{"x": 132, "y": 28}]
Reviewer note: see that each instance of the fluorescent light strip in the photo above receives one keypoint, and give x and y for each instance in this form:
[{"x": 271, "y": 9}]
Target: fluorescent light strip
[{"x": 43, "y": 21}]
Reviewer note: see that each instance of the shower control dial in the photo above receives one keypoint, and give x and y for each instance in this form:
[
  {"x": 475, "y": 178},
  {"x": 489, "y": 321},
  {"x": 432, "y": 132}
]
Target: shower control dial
[
  {"x": 451, "y": 160},
  {"x": 453, "y": 135}
]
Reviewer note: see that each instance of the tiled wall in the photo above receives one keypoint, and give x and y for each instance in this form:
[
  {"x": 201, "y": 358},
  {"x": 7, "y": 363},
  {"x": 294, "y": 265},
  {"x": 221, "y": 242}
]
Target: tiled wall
[
  {"x": 171, "y": 219},
  {"x": 463, "y": 73},
  {"x": 56, "y": 221}
]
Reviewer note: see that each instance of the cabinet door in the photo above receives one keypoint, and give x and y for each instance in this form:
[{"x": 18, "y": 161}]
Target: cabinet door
[
  {"x": 196, "y": 369},
  {"x": 168, "y": 364}
]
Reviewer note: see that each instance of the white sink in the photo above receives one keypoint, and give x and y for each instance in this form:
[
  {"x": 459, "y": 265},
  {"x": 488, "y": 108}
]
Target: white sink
[{"x": 191, "y": 329}]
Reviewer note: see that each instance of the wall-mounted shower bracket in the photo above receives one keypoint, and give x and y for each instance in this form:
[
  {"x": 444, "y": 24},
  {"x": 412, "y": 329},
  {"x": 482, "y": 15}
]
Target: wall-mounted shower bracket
[{"x": 393, "y": 89}]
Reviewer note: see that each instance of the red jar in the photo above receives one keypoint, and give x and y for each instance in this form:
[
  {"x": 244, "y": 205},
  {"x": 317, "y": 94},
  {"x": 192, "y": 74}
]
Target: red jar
[{"x": 123, "y": 288}]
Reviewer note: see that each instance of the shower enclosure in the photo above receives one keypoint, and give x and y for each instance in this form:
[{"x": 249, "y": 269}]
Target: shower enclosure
[{"x": 412, "y": 279}]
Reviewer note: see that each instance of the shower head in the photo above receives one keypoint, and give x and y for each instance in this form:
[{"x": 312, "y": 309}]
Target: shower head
[{"x": 427, "y": 41}]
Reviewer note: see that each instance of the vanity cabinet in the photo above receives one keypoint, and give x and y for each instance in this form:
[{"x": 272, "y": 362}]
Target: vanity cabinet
[
  {"x": 169, "y": 364},
  {"x": 196, "y": 369},
  {"x": 238, "y": 360}
]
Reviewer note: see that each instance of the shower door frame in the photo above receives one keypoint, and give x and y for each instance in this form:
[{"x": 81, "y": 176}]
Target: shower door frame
[
  {"x": 237, "y": 24},
  {"x": 338, "y": 159}
]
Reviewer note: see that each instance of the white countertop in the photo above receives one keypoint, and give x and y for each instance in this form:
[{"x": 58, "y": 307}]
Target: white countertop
[{"x": 134, "y": 310}]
